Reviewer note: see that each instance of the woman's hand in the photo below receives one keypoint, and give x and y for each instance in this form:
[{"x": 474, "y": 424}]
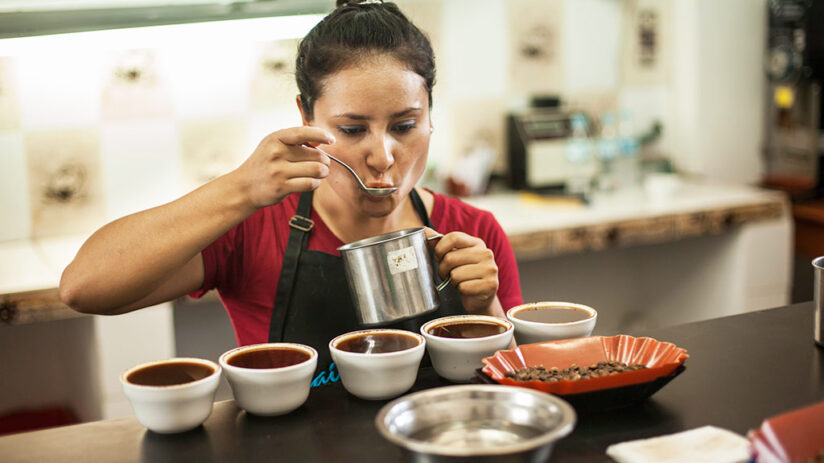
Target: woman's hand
[
  {"x": 473, "y": 270},
  {"x": 282, "y": 164}
]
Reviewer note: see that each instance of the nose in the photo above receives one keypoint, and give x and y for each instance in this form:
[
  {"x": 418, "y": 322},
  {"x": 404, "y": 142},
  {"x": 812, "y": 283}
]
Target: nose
[{"x": 380, "y": 157}]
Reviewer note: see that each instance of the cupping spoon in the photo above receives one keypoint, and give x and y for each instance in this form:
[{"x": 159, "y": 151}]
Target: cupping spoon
[{"x": 371, "y": 191}]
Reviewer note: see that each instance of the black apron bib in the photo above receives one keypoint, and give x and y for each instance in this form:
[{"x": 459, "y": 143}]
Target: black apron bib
[{"x": 313, "y": 303}]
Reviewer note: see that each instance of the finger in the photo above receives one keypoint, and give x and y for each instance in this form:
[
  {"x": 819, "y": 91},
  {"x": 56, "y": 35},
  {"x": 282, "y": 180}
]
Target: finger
[
  {"x": 299, "y": 184},
  {"x": 455, "y": 240},
  {"x": 308, "y": 169},
  {"x": 467, "y": 256},
  {"x": 480, "y": 272},
  {"x": 305, "y": 153},
  {"x": 429, "y": 233},
  {"x": 432, "y": 239},
  {"x": 296, "y": 136}
]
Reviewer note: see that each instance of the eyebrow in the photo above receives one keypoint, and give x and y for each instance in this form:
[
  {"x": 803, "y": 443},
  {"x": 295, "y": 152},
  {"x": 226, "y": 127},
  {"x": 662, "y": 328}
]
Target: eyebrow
[{"x": 360, "y": 117}]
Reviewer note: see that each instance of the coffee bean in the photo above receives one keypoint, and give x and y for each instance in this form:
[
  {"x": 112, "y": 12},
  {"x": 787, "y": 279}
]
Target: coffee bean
[{"x": 574, "y": 372}]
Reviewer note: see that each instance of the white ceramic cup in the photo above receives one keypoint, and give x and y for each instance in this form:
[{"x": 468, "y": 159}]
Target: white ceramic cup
[
  {"x": 527, "y": 332},
  {"x": 377, "y": 376},
  {"x": 456, "y": 359},
  {"x": 172, "y": 408},
  {"x": 268, "y": 390}
]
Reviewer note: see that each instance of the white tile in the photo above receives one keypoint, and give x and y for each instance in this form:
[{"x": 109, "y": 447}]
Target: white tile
[
  {"x": 140, "y": 166},
  {"x": 65, "y": 182},
  {"x": 134, "y": 86},
  {"x": 9, "y": 107},
  {"x": 591, "y": 44},
  {"x": 59, "y": 90},
  {"x": 262, "y": 123},
  {"x": 273, "y": 74},
  {"x": 475, "y": 48},
  {"x": 535, "y": 46},
  {"x": 14, "y": 194},
  {"x": 210, "y": 148},
  {"x": 210, "y": 80}
]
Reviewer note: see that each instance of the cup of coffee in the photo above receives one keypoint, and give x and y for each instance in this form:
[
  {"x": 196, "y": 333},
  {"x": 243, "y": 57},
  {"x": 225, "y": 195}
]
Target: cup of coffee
[
  {"x": 458, "y": 344},
  {"x": 379, "y": 363},
  {"x": 171, "y": 396},
  {"x": 551, "y": 321},
  {"x": 270, "y": 379}
]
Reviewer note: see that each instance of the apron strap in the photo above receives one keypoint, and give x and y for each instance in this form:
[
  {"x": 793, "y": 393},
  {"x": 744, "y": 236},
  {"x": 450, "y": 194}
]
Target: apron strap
[
  {"x": 300, "y": 225},
  {"x": 417, "y": 203}
]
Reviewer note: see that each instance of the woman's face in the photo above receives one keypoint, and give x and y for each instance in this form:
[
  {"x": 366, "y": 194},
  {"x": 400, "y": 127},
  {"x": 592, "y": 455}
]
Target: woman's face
[{"x": 378, "y": 111}]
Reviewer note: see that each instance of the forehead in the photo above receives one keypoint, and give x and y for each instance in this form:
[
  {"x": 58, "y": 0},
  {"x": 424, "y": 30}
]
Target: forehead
[{"x": 371, "y": 85}]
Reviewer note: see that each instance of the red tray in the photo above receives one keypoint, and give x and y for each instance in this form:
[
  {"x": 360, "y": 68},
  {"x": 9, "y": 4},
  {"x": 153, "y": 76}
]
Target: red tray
[{"x": 661, "y": 359}]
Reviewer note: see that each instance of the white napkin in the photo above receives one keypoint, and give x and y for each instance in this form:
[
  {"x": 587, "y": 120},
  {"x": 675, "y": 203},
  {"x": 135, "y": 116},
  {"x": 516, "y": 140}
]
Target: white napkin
[{"x": 707, "y": 444}]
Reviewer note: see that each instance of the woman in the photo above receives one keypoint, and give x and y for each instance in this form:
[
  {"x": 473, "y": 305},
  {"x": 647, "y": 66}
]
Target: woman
[{"x": 365, "y": 75}]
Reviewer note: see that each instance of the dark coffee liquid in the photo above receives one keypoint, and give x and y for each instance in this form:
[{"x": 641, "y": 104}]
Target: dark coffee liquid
[
  {"x": 273, "y": 357},
  {"x": 553, "y": 315},
  {"x": 378, "y": 343},
  {"x": 169, "y": 374},
  {"x": 473, "y": 329}
]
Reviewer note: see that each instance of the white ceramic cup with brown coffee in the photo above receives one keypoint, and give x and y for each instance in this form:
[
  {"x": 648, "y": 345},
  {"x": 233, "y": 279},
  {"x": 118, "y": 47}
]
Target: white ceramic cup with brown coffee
[
  {"x": 170, "y": 396},
  {"x": 379, "y": 363},
  {"x": 551, "y": 321},
  {"x": 272, "y": 378},
  {"x": 458, "y": 344}
]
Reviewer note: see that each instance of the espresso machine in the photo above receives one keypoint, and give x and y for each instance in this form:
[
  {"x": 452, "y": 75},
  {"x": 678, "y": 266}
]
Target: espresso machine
[{"x": 794, "y": 66}]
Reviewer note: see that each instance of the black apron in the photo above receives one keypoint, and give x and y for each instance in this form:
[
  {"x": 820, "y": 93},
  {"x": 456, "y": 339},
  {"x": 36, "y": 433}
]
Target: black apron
[{"x": 313, "y": 303}]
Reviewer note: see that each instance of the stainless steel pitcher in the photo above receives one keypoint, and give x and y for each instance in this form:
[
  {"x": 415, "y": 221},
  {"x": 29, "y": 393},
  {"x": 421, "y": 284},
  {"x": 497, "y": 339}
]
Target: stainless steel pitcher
[
  {"x": 391, "y": 276},
  {"x": 818, "y": 322}
]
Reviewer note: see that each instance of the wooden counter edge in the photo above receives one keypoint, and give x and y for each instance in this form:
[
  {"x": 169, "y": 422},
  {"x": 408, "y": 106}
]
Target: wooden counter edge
[
  {"x": 649, "y": 230},
  {"x": 34, "y": 306}
]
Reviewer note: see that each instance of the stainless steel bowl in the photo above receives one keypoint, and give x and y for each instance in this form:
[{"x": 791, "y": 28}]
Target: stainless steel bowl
[{"x": 478, "y": 423}]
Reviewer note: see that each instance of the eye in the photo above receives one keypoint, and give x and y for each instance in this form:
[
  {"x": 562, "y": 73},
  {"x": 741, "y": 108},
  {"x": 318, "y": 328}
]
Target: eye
[
  {"x": 404, "y": 127},
  {"x": 351, "y": 130}
]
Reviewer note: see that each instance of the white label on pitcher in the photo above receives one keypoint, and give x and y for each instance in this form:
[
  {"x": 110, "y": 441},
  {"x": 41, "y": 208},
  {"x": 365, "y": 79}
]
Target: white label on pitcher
[{"x": 402, "y": 260}]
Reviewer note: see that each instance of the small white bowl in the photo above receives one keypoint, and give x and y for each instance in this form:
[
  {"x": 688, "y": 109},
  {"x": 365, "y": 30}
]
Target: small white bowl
[
  {"x": 528, "y": 332},
  {"x": 377, "y": 376},
  {"x": 456, "y": 359},
  {"x": 172, "y": 408},
  {"x": 270, "y": 391}
]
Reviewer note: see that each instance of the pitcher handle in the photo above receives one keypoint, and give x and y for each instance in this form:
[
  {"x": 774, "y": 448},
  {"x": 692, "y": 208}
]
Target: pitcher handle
[{"x": 448, "y": 280}]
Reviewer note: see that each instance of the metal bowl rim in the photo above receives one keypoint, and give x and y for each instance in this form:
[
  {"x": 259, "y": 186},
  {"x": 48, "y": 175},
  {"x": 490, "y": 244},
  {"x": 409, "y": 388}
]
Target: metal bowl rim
[{"x": 568, "y": 420}]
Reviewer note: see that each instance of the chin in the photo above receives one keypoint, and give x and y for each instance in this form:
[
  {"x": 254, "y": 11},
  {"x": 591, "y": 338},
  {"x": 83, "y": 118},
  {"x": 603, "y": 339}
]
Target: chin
[{"x": 378, "y": 207}]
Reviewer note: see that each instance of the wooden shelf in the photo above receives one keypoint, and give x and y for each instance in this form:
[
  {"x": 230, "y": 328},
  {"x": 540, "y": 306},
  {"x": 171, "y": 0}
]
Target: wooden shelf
[{"x": 33, "y": 307}]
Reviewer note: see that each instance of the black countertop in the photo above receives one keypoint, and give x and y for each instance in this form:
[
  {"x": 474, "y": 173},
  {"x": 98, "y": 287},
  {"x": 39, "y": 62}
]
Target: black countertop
[{"x": 741, "y": 370}]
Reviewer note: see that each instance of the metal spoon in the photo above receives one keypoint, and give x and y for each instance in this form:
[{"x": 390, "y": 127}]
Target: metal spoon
[{"x": 369, "y": 190}]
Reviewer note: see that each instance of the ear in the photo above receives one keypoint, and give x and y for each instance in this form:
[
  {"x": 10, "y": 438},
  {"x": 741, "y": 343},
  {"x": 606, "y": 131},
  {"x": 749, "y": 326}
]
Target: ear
[{"x": 302, "y": 112}]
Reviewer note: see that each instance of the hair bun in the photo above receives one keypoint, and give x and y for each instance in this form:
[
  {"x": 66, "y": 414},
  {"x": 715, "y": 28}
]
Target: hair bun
[{"x": 342, "y": 3}]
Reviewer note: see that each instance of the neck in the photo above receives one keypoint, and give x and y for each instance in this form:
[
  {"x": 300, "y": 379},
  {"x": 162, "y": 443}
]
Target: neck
[{"x": 351, "y": 225}]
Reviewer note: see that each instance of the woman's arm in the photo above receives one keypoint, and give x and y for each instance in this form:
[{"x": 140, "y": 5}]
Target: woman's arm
[{"x": 154, "y": 255}]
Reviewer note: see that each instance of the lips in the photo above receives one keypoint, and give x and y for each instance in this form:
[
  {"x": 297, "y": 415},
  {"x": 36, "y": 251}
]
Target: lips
[{"x": 379, "y": 185}]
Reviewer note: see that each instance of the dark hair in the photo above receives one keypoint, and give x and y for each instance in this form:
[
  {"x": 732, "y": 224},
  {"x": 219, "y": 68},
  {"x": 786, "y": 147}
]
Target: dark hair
[{"x": 352, "y": 32}]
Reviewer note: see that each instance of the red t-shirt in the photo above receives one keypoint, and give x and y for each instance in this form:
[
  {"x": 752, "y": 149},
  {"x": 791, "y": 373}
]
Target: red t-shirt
[{"x": 244, "y": 264}]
